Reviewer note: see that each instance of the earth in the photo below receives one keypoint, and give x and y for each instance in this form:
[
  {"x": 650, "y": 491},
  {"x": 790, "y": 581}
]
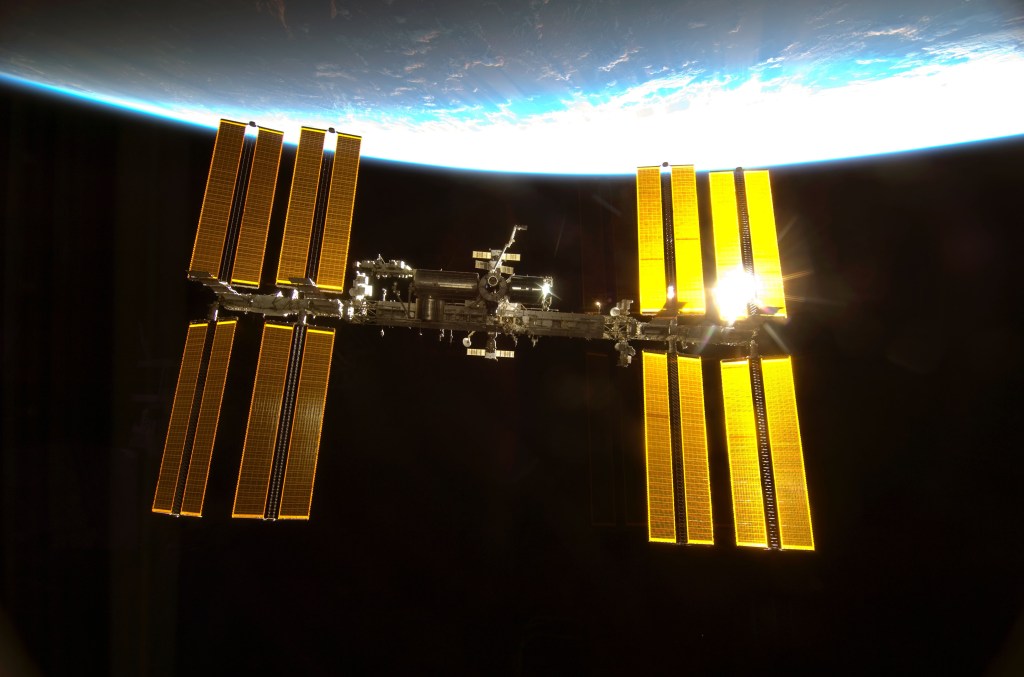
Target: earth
[{"x": 548, "y": 86}]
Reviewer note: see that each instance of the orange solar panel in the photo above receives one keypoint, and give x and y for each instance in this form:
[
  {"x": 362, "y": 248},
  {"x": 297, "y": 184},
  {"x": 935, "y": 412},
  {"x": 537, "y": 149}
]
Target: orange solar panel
[
  {"x": 696, "y": 479},
  {"x": 764, "y": 241},
  {"x": 298, "y": 225},
  {"x": 220, "y": 189},
  {"x": 661, "y": 512},
  {"x": 338, "y": 220},
  {"x": 264, "y": 415},
  {"x": 259, "y": 201},
  {"x": 744, "y": 469},
  {"x": 686, "y": 228},
  {"x": 794, "y": 510},
  {"x": 730, "y": 278},
  {"x": 651, "y": 240},
  {"x": 303, "y": 447},
  {"x": 209, "y": 417},
  {"x": 181, "y": 411}
]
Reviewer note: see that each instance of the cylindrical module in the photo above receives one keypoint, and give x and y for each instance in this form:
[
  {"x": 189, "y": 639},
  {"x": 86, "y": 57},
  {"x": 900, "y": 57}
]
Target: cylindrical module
[
  {"x": 429, "y": 309},
  {"x": 445, "y": 285}
]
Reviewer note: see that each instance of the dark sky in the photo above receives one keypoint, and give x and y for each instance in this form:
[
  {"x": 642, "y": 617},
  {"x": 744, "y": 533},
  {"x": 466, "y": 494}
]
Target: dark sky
[{"x": 453, "y": 517}]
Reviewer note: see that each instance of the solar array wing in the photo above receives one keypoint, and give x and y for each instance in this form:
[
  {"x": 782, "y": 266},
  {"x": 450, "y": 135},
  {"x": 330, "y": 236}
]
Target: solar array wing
[
  {"x": 670, "y": 482},
  {"x": 764, "y": 241},
  {"x": 769, "y": 485},
  {"x": 209, "y": 418},
  {"x": 678, "y": 481},
  {"x": 668, "y": 234},
  {"x": 217, "y": 201},
  {"x": 298, "y": 226},
  {"x": 651, "y": 240},
  {"x": 689, "y": 288},
  {"x": 264, "y": 417},
  {"x": 696, "y": 478},
  {"x": 286, "y": 412},
  {"x": 181, "y": 412},
  {"x": 304, "y": 445},
  {"x": 661, "y": 510},
  {"x": 769, "y": 488},
  {"x": 746, "y": 243},
  {"x": 725, "y": 218},
  {"x": 318, "y": 224},
  {"x": 794, "y": 512},
  {"x": 744, "y": 470},
  {"x": 259, "y": 201},
  {"x": 195, "y": 414},
  {"x": 480, "y": 352},
  {"x": 338, "y": 218}
]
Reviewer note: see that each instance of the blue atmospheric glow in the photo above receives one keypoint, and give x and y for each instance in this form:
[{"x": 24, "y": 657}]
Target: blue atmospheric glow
[{"x": 500, "y": 87}]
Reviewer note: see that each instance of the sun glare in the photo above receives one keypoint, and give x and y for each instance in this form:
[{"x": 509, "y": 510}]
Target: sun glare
[{"x": 734, "y": 291}]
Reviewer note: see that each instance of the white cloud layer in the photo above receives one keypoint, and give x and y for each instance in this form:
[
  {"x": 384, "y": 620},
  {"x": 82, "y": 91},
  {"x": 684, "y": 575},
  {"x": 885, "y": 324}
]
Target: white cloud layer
[{"x": 713, "y": 124}]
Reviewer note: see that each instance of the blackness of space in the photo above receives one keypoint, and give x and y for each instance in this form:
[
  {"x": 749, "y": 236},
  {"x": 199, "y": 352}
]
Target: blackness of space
[{"x": 459, "y": 524}]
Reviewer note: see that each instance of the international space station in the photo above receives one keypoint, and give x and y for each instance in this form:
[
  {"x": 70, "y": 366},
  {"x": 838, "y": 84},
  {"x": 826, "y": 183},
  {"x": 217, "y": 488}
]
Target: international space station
[{"x": 675, "y": 329}]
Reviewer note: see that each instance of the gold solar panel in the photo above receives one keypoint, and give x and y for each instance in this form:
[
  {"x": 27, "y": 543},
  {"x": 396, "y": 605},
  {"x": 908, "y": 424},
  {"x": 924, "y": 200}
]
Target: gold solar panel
[
  {"x": 310, "y": 399},
  {"x": 794, "y": 511},
  {"x": 650, "y": 233},
  {"x": 696, "y": 480},
  {"x": 220, "y": 188},
  {"x": 298, "y": 224},
  {"x": 259, "y": 200},
  {"x": 264, "y": 414},
  {"x": 764, "y": 241},
  {"x": 181, "y": 411},
  {"x": 209, "y": 416},
  {"x": 744, "y": 471},
  {"x": 686, "y": 226},
  {"x": 661, "y": 513},
  {"x": 338, "y": 221},
  {"x": 725, "y": 217}
]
